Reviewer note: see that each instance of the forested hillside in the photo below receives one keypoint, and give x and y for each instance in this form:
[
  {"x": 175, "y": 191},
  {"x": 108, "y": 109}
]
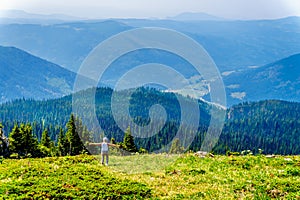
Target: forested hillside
[
  {"x": 273, "y": 126},
  {"x": 54, "y": 114}
]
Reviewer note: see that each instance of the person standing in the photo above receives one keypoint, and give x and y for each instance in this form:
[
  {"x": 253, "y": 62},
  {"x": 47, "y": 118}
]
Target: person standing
[{"x": 104, "y": 149}]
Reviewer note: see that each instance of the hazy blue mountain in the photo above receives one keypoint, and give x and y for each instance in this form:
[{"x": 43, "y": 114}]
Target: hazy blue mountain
[
  {"x": 65, "y": 44},
  {"x": 238, "y": 44},
  {"x": 20, "y": 16},
  {"x": 195, "y": 16},
  {"x": 24, "y": 75},
  {"x": 278, "y": 80},
  {"x": 232, "y": 44}
]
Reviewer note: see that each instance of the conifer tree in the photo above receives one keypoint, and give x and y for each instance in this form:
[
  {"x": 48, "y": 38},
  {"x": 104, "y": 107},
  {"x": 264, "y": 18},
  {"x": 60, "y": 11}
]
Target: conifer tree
[
  {"x": 46, "y": 140},
  {"x": 73, "y": 142},
  {"x": 30, "y": 143},
  {"x": 46, "y": 145},
  {"x": 61, "y": 143},
  {"x": 83, "y": 132},
  {"x": 23, "y": 142},
  {"x": 15, "y": 140},
  {"x": 128, "y": 141}
]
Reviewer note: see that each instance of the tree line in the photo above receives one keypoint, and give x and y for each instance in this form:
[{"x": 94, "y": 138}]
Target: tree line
[
  {"x": 270, "y": 125},
  {"x": 23, "y": 143}
]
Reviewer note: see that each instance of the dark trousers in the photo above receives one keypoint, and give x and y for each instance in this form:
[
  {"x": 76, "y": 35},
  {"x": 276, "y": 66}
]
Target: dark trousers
[{"x": 104, "y": 154}]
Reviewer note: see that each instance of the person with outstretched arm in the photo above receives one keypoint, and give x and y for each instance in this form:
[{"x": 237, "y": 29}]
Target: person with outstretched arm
[{"x": 104, "y": 149}]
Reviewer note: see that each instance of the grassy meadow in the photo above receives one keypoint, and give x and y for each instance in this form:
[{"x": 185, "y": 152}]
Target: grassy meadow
[{"x": 151, "y": 176}]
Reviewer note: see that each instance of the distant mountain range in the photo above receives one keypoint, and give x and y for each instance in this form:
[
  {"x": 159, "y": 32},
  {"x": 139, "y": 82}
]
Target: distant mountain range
[
  {"x": 195, "y": 16},
  {"x": 20, "y": 16},
  {"x": 64, "y": 44},
  {"x": 25, "y": 75},
  {"x": 241, "y": 49},
  {"x": 232, "y": 44},
  {"x": 278, "y": 80}
]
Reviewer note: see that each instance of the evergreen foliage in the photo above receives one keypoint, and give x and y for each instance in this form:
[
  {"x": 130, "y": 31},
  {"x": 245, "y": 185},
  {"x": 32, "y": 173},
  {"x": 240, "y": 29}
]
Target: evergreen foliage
[
  {"x": 271, "y": 125},
  {"x": 74, "y": 145},
  {"x": 46, "y": 145},
  {"x": 46, "y": 140},
  {"x": 128, "y": 142},
  {"x": 23, "y": 142},
  {"x": 61, "y": 143},
  {"x": 15, "y": 140}
]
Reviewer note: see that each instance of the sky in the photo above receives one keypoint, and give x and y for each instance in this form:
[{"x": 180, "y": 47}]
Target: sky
[{"x": 231, "y": 9}]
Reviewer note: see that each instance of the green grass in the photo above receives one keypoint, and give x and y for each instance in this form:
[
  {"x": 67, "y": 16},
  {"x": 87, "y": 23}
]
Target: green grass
[
  {"x": 65, "y": 178},
  {"x": 152, "y": 177},
  {"x": 143, "y": 163}
]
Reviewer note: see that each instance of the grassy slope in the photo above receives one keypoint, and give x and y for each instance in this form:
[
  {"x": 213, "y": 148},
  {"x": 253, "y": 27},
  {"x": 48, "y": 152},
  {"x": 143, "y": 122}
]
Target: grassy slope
[{"x": 153, "y": 176}]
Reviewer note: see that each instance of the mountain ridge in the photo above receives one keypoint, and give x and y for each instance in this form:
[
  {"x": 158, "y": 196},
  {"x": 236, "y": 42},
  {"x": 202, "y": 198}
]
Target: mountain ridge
[
  {"x": 195, "y": 16},
  {"x": 231, "y": 44},
  {"x": 21, "y": 16},
  {"x": 24, "y": 75},
  {"x": 277, "y": 80},
  {"x": 28, "y": 76}
]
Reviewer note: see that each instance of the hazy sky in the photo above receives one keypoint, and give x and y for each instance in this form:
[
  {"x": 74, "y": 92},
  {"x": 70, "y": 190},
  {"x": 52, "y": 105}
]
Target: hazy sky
[{"x": 238, "y": 9}]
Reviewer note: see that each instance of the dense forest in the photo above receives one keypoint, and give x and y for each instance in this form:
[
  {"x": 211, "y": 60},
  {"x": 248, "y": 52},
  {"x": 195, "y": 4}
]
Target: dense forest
[{"x": 270, "y": 125}]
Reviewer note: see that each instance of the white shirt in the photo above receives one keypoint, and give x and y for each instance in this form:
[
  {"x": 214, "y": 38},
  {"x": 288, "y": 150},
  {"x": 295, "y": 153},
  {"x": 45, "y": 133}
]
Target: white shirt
[{"x": 104, "y": 147}]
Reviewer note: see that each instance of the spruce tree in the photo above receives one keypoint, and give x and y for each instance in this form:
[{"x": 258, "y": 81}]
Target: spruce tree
[
  {"x": 61, "y": 143},
  {"x": 45, "y": 140},
  {"x": 15, "y": 140},
  {"x": 128, "y": 141},
  {"x": 23, "y": 142},
  {"x": 83, "y": 132},
  {"x": 30, "y": 143},
  {"x": 46, "y": 145},
  {"x": 74, "y": 143}
]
